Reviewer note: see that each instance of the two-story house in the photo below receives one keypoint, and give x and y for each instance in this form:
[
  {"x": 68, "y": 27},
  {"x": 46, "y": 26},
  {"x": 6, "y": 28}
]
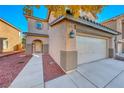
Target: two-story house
[
  {"x": 70, "y": 41},
  {"x": 9, "y": 37},
  {"x": 117, "y": 23}
]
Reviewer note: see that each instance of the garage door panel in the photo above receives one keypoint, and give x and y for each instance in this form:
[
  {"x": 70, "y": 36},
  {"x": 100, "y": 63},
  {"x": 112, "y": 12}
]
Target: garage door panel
[{"x": 91, "y": 49}]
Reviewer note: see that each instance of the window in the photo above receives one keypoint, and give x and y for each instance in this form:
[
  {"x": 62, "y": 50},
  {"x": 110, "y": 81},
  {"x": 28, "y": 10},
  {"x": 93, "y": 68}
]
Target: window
[
  {"x": 5, "y": 44},
  {"x": 38, "y": 25}
]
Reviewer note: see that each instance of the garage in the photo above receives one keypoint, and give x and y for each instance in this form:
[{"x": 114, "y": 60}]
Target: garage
[
  {"x": 81, "y": 41},
  {"x": 91, "y": 49}
]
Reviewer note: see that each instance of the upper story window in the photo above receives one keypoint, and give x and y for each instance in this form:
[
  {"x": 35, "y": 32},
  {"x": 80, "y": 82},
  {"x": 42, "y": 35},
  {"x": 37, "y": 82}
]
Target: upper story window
[{"x": 39, "y": 25}]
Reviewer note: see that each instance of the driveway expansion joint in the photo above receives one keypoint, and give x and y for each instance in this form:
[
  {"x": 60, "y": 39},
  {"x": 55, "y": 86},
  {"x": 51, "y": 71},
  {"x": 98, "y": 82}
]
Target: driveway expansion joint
[
  {"x": 87, "y": 79},
  {"x": 113, "y": 78},
  {"x": 74, "y": 82}
]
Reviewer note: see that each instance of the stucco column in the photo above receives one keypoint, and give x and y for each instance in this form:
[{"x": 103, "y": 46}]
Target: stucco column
[
  {"x": 122, "y": 47},
  {"x": 120, "y": 29},
  {"x": 68, "y": 57},
  {"x": 28, "y": 49},
  {"x": 45, "y": 48},
  {"x": 112, "y": 47},
  {"x": 68, "y": 60}
]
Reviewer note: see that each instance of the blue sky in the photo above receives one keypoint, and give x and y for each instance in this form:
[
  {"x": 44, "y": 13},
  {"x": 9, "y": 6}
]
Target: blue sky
[{"x": 14, "y": 14}]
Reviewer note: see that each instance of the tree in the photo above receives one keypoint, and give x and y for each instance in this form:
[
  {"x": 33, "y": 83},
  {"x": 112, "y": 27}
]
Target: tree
[
  {"x": 23, "y": 41},
  {"x": 58, "y": 10}
]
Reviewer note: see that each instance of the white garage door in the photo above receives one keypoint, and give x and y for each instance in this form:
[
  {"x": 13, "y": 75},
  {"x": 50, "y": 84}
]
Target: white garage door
[{"x": 91, "y": 49}]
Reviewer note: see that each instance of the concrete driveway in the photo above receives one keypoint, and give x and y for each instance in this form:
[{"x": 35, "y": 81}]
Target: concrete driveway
[{"x": 107, "y": 73}]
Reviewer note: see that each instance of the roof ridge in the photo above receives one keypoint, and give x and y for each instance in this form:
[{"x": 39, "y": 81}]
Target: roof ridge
[
  {"x": 36, "y": 18},
  {"x": 112, "y": 18}
]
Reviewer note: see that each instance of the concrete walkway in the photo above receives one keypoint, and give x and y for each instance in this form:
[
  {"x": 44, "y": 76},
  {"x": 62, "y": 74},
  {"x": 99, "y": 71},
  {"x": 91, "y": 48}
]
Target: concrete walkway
[
  {"x": 71, "y": 80},
  {"x": 108, "y": 73},
  {"x": 32, "y": 74}
]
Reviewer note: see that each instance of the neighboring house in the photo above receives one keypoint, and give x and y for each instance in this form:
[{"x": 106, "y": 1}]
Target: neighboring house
[
  {"x": 9, "y": 37},
  {"x": 70, "y": 41},
  {"x": 117, "y": 23}
]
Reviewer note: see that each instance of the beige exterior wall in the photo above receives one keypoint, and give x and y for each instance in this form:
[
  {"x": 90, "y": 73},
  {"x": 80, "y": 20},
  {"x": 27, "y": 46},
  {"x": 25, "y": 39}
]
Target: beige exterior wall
[
  {"x": 93, "y": 31},
  {"x": 32, "y": 27},
  {"x": 30, "y": 39},
  {"x": 7, "y": 31},
  {"x": 111, "y": 24},
  {"x": 57, "y": 40},
  {"x": 70, "y": 42},
  {"x": 51, "y": 18}
]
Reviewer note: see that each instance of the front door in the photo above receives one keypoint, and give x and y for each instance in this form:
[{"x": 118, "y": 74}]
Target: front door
[{"x": 37, "y": 47}]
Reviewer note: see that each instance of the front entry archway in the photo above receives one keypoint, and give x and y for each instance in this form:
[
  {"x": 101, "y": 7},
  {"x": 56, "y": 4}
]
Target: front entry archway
[{"x": 37, "y": 46}]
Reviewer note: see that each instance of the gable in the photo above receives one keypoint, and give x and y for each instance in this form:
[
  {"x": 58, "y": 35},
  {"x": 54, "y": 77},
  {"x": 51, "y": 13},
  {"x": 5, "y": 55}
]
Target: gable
[{"x": 111, "y": 24}]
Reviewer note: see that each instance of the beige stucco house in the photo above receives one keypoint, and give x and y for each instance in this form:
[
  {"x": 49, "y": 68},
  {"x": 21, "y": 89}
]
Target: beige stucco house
[
  {"x": 70, "y": 41},
  {"x": 117, "y": 23},
  {"x": 9, "y": 37}
]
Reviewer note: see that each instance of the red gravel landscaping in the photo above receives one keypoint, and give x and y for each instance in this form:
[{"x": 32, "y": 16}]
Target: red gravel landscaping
[
  {"x": 10, "y": 66},
  {"x": 51, "y": 68}
]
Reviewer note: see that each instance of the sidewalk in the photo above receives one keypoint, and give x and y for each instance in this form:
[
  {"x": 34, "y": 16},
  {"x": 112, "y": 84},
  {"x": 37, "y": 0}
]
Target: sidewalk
[{"x": 32, "y": 74}]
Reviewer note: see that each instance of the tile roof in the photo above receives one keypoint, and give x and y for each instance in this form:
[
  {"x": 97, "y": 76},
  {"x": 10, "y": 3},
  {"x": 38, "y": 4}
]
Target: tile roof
[{"x": 86, "y": 21}]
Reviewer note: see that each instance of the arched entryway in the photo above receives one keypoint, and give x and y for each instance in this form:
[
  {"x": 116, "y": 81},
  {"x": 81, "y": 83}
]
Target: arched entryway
[{"x": 37, "y": 46}]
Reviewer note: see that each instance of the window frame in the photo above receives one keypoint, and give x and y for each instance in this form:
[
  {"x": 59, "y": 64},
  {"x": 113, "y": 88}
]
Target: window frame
[
  {"x": 39, "y": 25},
  {"x": 5, "y": 44}
]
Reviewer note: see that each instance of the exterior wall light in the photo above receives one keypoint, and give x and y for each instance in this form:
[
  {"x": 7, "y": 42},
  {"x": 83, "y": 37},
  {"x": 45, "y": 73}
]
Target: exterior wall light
[{"x": 72, "y": 34}]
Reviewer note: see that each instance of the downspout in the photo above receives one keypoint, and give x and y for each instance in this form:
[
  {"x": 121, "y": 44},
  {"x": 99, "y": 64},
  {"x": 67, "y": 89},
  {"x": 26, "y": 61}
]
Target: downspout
[{"x": 115, "y": 44}]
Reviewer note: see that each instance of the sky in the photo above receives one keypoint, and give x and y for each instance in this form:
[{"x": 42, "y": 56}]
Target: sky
[{"x": 14, "y": 14}]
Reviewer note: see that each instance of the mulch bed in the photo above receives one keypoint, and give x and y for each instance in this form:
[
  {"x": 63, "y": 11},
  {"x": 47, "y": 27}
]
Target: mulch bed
[
  {"x": 51, "y": 68},
  {"x": 10, "y": 66}
]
